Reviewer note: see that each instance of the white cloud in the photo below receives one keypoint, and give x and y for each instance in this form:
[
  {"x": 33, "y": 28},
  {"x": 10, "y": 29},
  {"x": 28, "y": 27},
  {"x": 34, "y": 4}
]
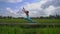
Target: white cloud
[
  {"x": 34, "y": 5},
  {"x": 42, "y": 8},
  {"x": 35, "y": 8},
  {"x": 50, "y": 10},
  {"x": 15, "y": 12},
  {"x": 11, "y": 11},
  {"x": 56, "y": 11}
]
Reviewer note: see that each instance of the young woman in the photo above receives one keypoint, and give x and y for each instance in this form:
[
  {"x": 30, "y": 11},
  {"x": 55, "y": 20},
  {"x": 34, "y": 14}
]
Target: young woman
[{"x": 27, "y": 14}]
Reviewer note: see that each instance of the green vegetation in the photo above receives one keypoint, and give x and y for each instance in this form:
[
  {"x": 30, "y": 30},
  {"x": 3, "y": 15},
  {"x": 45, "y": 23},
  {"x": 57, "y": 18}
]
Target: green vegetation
[
  {"x": 18, "y": 30},
  {"x": 47, "y": 19},
  {"x": 12, "y": 20},
  {"x": 25, "y": 21}
]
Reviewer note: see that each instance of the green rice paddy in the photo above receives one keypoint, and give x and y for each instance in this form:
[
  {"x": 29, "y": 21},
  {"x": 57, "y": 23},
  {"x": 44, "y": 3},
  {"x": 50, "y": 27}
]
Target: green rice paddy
[
  {"x": 25, "y": 21},
  {"x": 4, "y": 29},
  {"x": 19, "y": 30}
]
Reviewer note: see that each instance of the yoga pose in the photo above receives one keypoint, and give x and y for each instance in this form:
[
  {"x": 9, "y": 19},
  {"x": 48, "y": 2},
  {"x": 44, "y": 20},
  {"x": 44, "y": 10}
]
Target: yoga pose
[{"x": 27, "y": 14}]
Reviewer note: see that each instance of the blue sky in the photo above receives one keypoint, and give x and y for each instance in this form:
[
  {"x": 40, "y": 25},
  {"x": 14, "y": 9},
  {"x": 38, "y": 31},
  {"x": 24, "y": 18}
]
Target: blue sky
[
  {"x": 36, "y": 8},
  {"x": 13, "y": 5},
  {"x": 4, "y": 4}
]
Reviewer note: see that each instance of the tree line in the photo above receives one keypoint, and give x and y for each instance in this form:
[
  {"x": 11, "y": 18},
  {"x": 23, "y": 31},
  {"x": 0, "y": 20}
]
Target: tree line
[{"x": 41, "y": 17}]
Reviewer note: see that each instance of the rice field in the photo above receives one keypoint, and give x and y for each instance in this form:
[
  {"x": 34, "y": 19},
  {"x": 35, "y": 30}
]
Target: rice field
[
  {"x": 19, "y": 30},
  {"x": 5, "y": 29},
  {"x": 25, "y": 21}
]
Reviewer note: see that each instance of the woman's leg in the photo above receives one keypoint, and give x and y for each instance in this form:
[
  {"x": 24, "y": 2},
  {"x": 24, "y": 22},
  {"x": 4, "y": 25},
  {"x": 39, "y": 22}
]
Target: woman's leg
[{"x": 29, "y": 19}]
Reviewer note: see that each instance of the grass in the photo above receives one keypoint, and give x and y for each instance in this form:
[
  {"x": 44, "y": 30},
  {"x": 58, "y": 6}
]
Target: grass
[
  {"x": 25, "y": 21},
  {"x": 12, "y": 20},
  {"x": 18, "y": 30},
  {"x": 47, "y": 20}
]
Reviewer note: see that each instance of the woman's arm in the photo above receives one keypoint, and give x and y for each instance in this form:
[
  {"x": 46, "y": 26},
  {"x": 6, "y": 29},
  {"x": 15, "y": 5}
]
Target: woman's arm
[{"x": 23, "y": 10}]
